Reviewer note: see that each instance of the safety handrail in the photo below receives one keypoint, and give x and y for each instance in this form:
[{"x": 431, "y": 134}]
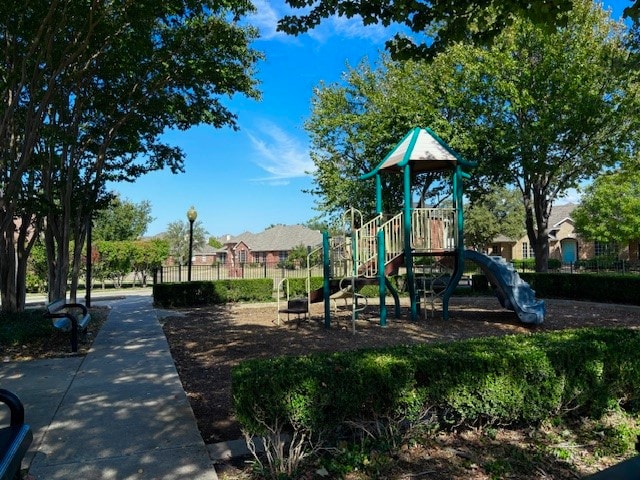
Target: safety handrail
[
  {"x": 366, "y": 245},
  {"x": 433, "y": 229},
  {"x": 393, "y": 230}
]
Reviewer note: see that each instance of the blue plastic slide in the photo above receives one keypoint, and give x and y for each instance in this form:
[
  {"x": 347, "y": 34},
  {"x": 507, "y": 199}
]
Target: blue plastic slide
[{"x": 513, "y": 293}]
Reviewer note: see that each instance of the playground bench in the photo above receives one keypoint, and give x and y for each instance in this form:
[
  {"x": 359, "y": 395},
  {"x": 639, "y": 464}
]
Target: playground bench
[
  {"x": 299, "y": 306},
  {"x": 14, "y": 439},
  {"x": 69, "y": 317}
]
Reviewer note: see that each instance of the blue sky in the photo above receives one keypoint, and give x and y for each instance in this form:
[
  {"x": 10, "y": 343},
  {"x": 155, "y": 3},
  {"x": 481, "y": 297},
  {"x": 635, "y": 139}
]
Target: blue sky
[{"x": 253, "y": 178}]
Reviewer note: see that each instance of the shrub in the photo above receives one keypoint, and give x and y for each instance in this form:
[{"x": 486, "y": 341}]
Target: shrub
[
  {"x": 22, "y": 327},
  {"x": 298, "y": 286},
  {"x": 615, "y": 288},
  {"x": 212, "y": 292},
  {"x": 506, "y": 380}
]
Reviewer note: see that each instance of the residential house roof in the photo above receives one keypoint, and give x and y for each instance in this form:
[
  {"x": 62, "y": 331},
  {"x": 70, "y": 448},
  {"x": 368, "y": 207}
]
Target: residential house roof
[
  {"x": 559, "y": 214},
  {"x": 503, "y": 239},
  {"x": 279, "y": 237},
  {"x": 206, "y": 250}
]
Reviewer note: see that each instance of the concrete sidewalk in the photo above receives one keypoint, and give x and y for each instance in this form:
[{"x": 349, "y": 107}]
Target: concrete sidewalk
[{"x": 118, "y": 413}]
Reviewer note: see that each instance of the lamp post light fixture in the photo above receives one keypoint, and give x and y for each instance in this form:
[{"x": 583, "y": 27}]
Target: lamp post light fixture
[{"x": 191, "y": 216}]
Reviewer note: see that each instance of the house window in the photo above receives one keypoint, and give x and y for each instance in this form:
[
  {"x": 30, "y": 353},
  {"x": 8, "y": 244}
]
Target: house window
[
  {"x": 242, "y": 256},
  {"x": 259, "y": 257},
  {"x": 282, "y": 255},
  {"x": 527, "y": 251},
  {"x": 602, "y": 248}
]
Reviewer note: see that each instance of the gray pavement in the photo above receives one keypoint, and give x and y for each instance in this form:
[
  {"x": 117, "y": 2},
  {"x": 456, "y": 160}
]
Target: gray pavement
[{"x": 119, "y": 413}]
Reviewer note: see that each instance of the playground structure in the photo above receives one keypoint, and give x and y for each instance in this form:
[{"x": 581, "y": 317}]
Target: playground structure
[{"x": 369, "y": 252}]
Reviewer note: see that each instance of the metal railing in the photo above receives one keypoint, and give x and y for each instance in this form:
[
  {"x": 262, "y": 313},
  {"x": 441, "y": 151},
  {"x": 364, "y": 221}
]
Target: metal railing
[
  {"x": 172, "y": 274},
  {"x": 433, "y": 229},
  {"x": 366, "y": 244},
  {"x": 340, "y": 256}
]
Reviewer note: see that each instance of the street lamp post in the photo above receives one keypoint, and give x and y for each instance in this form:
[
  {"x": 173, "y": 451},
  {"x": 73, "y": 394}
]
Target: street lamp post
[{"x": 191, "y": 216}]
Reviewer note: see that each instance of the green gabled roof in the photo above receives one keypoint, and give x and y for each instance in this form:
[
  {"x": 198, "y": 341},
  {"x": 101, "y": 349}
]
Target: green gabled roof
[{"x": 424, "y": 150}]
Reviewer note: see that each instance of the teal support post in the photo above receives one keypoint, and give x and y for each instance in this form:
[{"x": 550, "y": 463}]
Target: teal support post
[
  {"x": 458, "y": 268},
  {"x": 326, "y": 270},
  {"x": 396, "y": 297},
  {"x": 381, "y": 279},
  {"x": 407, "y": 241},
  {"x": 378, "y": 194}
]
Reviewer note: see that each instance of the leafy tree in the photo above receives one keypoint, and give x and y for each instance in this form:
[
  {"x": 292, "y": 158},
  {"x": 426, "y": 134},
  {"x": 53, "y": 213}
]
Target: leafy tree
[
  {"x": 610, "y": 207},
  {"x": 298, "y": 256},
  {"x": 115, "y": 261},
  {"x": 37, "y": 268},
  {"x": 539, "y": 112},
  {"x": 214, "y": 242},
  {"x": 499, "y": 212},
  {"x": 122, "y": 220},
  {"x": 317, "y": 224},
  {"x": 355, "y": 123},
  {"x": 550, "y": 111},
  {"x": 89, "y": 89},
  {"x": 148, "y": 255},
  {"x": 177, "y": 236},
  {"x": 436, "y": 25}
]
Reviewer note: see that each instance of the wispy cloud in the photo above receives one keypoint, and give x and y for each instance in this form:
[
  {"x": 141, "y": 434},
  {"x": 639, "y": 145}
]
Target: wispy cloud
[
  {"x": 350, "y": 28},
  {"x": 279, "y": 154},
  {"x": 266, "y": 19},
  {"x": 269, "y": 12}
]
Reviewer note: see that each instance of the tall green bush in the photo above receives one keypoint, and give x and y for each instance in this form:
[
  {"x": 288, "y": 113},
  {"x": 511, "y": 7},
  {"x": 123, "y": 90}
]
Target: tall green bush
[
  {"x": 188, "y": 294},
  {"x": 612, "y": 288},
  {"x": 505, "y": 380}
]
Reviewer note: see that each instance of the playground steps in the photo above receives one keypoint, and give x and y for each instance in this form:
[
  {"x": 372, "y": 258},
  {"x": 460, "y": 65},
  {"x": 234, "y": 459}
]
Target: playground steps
[{"x": 392, "y": 266}]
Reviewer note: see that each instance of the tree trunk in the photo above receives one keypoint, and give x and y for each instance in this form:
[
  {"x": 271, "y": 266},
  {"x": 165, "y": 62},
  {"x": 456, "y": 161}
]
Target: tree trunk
[
  {"x": 57, "y": 247},
  {"x": 27, "y": 234},
  {"x": 537, "y": 218},
  {"x": 537, "y": 209},
  {"x": 79, "y": 238},
  {"x": 8, "y": 267}
]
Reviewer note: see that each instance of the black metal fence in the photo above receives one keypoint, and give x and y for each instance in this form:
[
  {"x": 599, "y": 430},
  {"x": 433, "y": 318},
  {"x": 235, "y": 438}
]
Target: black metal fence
[
  {"x": 171, "y": 274},
  {"x": 224, "y": 272}
]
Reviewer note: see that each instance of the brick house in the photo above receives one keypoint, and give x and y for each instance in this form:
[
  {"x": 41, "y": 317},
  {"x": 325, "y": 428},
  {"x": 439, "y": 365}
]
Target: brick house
[
  {"x": 269, "y": 247},
  {"x": 564, "y": 243},
  {"x": 205, "y": 255}
]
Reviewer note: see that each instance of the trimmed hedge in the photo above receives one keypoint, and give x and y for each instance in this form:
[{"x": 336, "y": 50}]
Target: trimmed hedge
[
  {"x": 298, "y": 286},
  {"x": 190, "y": 294},
  {"x": 611, "y": 288},
  {"x": 505, "y": 380}
]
